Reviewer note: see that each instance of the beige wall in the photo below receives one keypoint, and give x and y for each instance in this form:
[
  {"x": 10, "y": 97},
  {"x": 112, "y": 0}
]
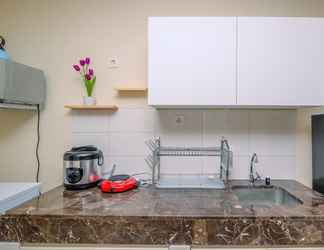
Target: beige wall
[{"x": 52, "y": 35}]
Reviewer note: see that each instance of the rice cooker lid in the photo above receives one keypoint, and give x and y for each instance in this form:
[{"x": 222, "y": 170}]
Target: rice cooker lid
[{"x": 82, "y": 153}]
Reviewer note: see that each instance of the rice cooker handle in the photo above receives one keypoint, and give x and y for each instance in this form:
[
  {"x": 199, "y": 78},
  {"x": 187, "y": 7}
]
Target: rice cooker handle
[
  {"x": 2, "y": 42},
  {"x": 101, "y": 158},
  {"x": 85, "y": 148}
]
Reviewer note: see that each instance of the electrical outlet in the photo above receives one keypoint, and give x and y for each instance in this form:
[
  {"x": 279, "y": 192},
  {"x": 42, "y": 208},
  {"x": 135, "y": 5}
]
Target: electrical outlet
[
  {"x": 179, "y": 120},
  {"x": 113, "y": 62}
]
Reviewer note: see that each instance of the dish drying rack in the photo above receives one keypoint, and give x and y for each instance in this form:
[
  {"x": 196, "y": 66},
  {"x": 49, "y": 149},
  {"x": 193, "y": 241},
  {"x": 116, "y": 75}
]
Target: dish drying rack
[{"x": 189, "y": 181}]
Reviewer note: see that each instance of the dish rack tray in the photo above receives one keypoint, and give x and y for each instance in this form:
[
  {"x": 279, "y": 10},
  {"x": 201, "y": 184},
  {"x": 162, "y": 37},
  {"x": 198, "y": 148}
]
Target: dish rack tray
[{"x": 188, "y": 180}]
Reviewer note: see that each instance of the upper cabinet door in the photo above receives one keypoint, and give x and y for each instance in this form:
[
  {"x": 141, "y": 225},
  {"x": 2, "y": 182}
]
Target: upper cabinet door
[
  {"x": 280, "y": 61},
  {"x": 192, "y": 61}
]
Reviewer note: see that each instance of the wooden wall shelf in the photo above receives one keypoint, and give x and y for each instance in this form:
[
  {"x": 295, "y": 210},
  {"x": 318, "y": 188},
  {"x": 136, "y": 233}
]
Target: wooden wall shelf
[
  {"x": 93, "y": 107},
  {"x": 131, "y": 88}
]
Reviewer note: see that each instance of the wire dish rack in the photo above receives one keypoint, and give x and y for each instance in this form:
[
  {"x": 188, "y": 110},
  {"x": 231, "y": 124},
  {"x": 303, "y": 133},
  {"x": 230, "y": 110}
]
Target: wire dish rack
[{"x": 181, "y": 180}]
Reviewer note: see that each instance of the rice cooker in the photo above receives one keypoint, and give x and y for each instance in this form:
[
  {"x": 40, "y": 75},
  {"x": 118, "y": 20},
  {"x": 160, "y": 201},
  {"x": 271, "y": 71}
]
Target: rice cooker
[{"x": 82, "y": 167}]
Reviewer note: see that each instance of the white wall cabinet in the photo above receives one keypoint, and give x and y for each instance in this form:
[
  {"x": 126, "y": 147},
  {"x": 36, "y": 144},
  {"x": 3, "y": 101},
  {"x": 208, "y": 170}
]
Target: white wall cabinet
[
  {"x": 280, "y": 61},
  {"x": 236, "y": 61},
  {"x": 192, "y": 61}
]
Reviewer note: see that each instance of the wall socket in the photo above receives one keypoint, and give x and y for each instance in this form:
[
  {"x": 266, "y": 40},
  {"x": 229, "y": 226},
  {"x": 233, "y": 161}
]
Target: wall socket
[
  {"x": 179, "y": 120},
  {"x": 113, "y": 62}
]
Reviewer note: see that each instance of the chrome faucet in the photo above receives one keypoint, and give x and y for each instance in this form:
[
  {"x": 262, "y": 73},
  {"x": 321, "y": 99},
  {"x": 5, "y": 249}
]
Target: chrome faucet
[
  {"x": 254, "y": 175},
  {"x": 225, "y": 160}
]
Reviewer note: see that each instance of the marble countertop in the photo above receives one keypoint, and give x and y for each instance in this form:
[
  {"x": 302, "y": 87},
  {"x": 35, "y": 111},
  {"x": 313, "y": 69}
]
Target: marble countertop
[
  {"x": 160, "y": 217},
  {"x": 150, "y": 202}
]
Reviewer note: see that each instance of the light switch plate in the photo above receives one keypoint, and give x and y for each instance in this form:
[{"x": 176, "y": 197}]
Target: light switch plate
[{"x": 179, "y": 247}]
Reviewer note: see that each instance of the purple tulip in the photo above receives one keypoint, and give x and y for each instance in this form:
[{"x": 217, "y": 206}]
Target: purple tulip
[
  {"x": 91, "y": 72},
  {"x": 87, "y": 60},
  {"x": 76, "y": 67},
  {"x": 88, "y": 77},
  {"x": 82, "y": 62}
]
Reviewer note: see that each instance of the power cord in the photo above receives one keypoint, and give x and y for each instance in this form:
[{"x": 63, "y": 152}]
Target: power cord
[{"x": 37, "y": 145}]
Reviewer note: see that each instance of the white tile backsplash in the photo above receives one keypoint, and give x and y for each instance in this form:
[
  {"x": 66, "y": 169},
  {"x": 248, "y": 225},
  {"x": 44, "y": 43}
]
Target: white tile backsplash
[
  {"x": 100, "y": 140},
  {"x": 279, "y": 167},
  {"x": 129, "y": 143},
  {"x": 240, "y": 168},
  {"x": 273, "y": 132},
  {"x": 126, "y": 164},
  {"x": 210, "y": 165},
  {"x": 269, "y": 133},
  {"x": 187, "y": 165},
  {"x": 89, "y": 121},
  {"x": 214, "y": 126},
  {"x": 188, "y": 133},
  {"x": 132, "y": 120},
  {"x": 233, "y": 124}
]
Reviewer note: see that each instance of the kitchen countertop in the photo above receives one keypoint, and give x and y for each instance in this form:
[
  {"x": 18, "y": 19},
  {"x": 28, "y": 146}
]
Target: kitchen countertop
[{"x": 160, "y": 217}]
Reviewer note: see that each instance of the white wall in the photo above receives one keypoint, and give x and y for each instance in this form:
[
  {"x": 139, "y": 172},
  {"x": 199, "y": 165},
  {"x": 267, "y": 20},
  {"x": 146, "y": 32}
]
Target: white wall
[
  {"x": 53, "y": 34},
  {"x": 269, "y": 133}
]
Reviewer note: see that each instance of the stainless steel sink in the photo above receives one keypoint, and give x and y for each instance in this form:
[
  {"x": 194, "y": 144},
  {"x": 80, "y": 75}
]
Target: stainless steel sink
[{"x": 265, "y": 195}]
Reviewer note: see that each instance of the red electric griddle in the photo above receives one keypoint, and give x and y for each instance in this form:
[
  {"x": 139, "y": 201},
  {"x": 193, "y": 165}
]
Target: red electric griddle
[{"x": 118, "y": 183}]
